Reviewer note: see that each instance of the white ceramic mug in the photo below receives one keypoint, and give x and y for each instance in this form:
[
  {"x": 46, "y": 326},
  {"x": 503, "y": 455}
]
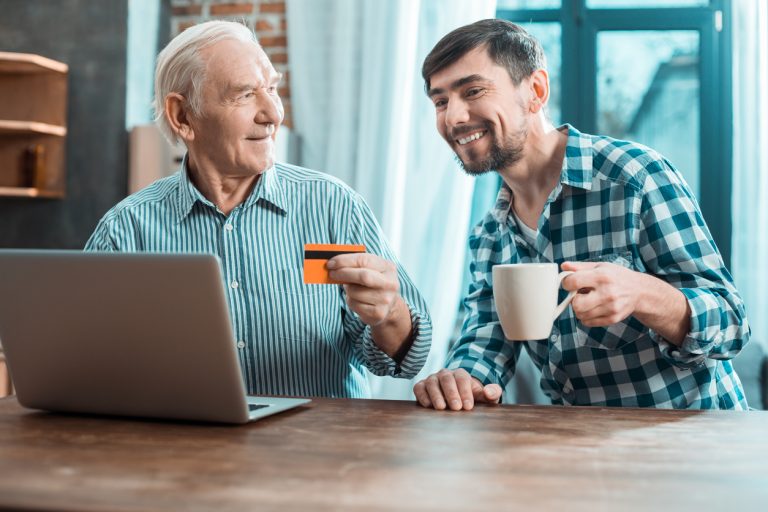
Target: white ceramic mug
[{"x": 526, "y": 298}]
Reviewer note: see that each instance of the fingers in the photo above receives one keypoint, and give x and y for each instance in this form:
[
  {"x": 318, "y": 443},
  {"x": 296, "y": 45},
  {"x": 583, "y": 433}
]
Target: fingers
[
  {"x": 369, "y": 295},
  {"x": 584, "y": 278},
  {"x": 360, "y": 260},
  {"x": 455, "y": 390},
  {"x": 464, "y": 386},
  {"x": 420, "y": 391},
  {"x": 491, "y": 394},
  {"x": 584, "y": 303},
  {"x": 578, "y": 265},
  {"x": 429, "y": 393},
  {"x": 450, "y": 390},
  {"x": 364, "y": 277},
  {"x": 435, "y": 392}
]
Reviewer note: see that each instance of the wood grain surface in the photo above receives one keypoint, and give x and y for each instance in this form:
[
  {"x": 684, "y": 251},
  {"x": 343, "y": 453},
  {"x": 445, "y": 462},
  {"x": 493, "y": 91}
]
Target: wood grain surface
[{"x": 387, "y": 455}]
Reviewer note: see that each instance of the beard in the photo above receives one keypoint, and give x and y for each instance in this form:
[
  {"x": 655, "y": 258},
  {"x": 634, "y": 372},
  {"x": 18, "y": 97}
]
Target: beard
[{"x": 501, "y": 155}]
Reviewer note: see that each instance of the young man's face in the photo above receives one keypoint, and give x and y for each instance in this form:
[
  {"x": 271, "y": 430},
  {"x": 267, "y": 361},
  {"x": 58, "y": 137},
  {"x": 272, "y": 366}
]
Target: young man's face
[
  {"x": 241, "y": 110},
  {"x": 480, "y": 113}
]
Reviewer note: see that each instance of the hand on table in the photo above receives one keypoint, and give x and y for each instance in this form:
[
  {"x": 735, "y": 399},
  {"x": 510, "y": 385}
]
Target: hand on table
[{"x": 455, "y": 389}]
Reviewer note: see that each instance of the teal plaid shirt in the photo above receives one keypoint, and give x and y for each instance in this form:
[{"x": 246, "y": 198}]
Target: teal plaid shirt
[
  {"x": 292, "y": 338},
  {"x": 622, "y": 203}
]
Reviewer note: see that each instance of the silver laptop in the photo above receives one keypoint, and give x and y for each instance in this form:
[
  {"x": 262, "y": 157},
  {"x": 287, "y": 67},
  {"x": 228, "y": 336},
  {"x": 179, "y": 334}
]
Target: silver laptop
[{"x": 143, "y": 334}]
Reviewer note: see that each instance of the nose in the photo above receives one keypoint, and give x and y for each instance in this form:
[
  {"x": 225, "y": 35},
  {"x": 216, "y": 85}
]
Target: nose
[
  {"x": 270, "y": 109},
  {"x": 456, "y": 113}
]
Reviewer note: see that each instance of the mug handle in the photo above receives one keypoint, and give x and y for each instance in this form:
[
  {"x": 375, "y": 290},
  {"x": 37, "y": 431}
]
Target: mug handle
[{"x": 561, "y": 307}]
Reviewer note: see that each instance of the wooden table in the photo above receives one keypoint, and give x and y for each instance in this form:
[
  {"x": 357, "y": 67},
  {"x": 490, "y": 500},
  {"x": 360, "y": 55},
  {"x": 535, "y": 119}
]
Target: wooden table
[{"x": 385, "y": 455}]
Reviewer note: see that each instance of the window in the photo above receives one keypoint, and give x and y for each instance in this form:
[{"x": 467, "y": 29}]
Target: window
[
  {"x": 648, "y": 71},
  {"x": 652, "y": 98}
]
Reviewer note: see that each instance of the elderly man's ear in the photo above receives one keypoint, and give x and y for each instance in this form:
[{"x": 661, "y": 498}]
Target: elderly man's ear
[{"x": 176, "y": 114}]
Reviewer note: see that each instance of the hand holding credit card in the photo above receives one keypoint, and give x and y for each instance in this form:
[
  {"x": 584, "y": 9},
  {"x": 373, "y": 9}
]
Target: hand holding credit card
[
  {"x": 370, "y": 287},
  {"x": 317, "y": 255}
]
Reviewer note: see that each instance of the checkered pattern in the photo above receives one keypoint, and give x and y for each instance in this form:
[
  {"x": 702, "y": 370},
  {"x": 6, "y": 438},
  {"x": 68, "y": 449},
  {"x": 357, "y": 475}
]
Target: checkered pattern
[{"x": 623, "y": 203}]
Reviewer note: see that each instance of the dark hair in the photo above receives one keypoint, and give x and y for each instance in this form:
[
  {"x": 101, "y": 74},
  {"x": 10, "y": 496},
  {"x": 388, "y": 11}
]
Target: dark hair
[{"x": 508, "y": 45}]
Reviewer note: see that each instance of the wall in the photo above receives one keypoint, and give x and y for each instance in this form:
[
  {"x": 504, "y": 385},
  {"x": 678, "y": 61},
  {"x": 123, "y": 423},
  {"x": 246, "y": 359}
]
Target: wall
[
  {"x": 265, "y": 17},
  {"x": 89, "y": 36}
]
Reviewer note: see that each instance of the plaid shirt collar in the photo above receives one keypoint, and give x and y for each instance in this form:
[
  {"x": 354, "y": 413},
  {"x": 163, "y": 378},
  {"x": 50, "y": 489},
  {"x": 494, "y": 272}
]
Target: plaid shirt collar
[{"x": 576, "y": 172}]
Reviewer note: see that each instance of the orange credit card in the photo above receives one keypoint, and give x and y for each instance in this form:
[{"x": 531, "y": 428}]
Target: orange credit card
[{"x": 317, "y": 255}]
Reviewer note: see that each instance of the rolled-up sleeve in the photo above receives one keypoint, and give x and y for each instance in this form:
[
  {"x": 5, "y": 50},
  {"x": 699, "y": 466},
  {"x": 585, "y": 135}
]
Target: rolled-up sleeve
[
  {"x": 364, "y": 229},
  {"x": 676, "y": 246}
]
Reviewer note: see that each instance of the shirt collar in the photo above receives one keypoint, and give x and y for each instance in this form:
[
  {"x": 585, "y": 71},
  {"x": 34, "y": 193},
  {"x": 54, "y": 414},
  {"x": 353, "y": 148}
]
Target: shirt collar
[
  {"x": 188, "y": 194},
  {"x": 268, "y": 188},
  {"x": 577, "y": 164},
  {"x": 576, "y": 171}
]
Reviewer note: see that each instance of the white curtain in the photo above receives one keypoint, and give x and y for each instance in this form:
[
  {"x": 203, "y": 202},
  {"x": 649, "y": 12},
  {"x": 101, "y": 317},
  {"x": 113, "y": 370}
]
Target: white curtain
[
  {"x": 750, "y": 160},
  {"x": 143, "y": 21},
  {"x": 360, "y": 113}
]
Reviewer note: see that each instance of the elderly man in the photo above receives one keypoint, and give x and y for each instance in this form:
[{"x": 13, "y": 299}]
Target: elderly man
[
  {"x": 657, "y": 317},
  {"x": 216, "y": 90}
]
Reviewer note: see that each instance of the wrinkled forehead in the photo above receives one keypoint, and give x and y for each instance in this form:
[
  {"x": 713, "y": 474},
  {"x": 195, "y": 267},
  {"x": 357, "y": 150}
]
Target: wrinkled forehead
[{"x": 232, "y": 60}]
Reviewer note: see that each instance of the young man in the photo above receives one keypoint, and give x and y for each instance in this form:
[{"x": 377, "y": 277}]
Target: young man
[
  {"x": 657, "y": 317},
  {"x": 216, "y": 90}
]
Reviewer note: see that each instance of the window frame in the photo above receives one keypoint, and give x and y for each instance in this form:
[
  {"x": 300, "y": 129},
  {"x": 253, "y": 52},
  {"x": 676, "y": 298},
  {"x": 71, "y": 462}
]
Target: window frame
[{"x": 580, "y": 26}]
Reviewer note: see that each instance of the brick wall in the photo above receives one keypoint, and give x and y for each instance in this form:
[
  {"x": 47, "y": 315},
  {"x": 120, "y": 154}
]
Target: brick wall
[{"x": 266, "y": 17}]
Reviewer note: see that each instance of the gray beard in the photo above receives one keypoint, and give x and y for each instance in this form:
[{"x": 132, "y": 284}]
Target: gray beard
[{"x": 499, "y": 157}]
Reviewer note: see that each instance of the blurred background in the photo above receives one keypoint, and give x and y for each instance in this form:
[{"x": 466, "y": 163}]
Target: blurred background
[{"x": 686, "y": 77}]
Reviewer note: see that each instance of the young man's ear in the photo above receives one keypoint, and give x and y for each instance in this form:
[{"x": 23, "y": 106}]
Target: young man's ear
[
  {"x": 539, "y": 83},
  {"x": 177, "y": 116}
]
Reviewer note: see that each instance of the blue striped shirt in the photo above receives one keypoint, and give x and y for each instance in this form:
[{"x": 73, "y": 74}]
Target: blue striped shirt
[
  {"x": 293, "y": 338},
  {"x": 622, "y": 203}
]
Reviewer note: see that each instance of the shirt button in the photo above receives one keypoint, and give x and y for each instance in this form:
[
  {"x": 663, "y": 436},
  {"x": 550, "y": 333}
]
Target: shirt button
[
  {"x": 234, "y": 285},
  {"x": 228, "y": 227},
  {"x": 553, "y": 338},
  {"x": 241, "y": 344}
]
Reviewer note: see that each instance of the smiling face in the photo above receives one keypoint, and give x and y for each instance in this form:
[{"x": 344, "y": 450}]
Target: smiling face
[
  {"x": 480, "y": 112},
  {"x": 241, "y": 110}
]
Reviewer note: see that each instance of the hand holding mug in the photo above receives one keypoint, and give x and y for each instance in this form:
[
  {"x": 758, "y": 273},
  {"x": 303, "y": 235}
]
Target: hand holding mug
[{"x": 608, "y": 293}]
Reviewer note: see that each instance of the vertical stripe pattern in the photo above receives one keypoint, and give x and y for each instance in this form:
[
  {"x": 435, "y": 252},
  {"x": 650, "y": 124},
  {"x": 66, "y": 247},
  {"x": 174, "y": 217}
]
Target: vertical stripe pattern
[{"x": 293, "y": 338}]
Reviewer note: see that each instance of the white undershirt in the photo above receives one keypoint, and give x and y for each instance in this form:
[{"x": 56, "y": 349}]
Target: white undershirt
[{"x": 528, "y": 233}]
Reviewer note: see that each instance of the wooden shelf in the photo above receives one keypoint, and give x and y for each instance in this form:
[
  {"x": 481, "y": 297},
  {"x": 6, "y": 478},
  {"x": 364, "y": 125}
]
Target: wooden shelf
[
  {"x": 33, "y": 118},
  {"x": 30, "y": 192},
  {"x": 31, "y": 127},
  {"x": 11, "y": 62}
]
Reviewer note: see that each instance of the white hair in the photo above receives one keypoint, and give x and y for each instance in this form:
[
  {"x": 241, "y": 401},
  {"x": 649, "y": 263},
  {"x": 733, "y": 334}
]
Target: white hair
[{"x": 180, "y": 68}]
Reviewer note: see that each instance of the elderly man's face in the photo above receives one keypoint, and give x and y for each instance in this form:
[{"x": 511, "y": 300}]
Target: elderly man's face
[{"x": 241, "y": 110}]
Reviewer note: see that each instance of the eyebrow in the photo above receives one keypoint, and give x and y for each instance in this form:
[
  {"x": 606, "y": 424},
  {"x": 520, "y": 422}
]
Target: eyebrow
[
  {"x": 236, "y": 88},
  {"x": 240, "y": 87},
  {"x": 459, "y": 83}
]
